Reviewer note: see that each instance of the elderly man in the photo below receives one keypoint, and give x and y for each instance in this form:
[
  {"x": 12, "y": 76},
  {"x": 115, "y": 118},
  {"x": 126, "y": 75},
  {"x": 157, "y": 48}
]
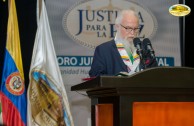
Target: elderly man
[{"x": 119, "y": 55}]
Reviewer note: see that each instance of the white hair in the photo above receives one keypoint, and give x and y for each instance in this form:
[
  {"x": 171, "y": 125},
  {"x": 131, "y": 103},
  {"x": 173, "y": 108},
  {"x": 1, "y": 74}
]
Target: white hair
[{"x": 122, "y": 13}]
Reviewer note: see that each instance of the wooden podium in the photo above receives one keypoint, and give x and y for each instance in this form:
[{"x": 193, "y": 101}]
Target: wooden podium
[{"x": 162, "y": 96}]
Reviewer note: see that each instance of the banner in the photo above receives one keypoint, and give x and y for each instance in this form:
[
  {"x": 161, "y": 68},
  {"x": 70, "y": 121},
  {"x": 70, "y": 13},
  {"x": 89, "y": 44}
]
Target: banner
[{"x": 79, "y": 26}]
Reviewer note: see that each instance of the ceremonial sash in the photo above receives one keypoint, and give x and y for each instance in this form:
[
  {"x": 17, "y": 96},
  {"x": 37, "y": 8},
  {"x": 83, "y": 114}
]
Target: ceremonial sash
[{"x": 132, "y": 60}]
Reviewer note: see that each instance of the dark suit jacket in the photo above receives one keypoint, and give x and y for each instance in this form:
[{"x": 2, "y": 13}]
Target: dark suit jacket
[{"x": 107, "y": 60}]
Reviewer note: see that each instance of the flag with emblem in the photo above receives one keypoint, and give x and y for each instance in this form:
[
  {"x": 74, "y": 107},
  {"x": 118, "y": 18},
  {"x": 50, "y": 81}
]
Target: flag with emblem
[
  {"x": 47, "y": 99},
  {"x": 12, "y": 91}
]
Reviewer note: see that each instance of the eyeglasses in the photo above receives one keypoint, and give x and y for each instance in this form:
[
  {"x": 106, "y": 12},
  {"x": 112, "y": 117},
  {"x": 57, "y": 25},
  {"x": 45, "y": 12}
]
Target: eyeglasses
[{"x": 129, "y": 29}]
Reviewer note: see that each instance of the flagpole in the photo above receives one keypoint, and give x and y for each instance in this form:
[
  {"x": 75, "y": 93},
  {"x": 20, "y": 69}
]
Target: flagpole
[
  {"x": 40, "y": 7},
  {"x": 8, "y": 4}
]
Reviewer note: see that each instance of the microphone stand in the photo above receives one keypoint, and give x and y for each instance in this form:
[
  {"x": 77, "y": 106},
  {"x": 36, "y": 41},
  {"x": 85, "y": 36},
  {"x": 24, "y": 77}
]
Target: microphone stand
[{"x": 142, "y": 61}]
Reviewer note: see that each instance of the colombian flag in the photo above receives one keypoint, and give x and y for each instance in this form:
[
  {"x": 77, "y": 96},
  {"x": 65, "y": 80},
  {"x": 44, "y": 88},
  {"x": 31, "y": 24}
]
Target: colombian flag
[{"x": 13, "y": 93}]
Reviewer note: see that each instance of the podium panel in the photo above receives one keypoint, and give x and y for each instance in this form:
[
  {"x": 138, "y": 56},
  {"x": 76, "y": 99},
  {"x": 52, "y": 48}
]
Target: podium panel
[
  {"x": 162, "y": 96},
  {"x": 163, "y": 114},
  {"x": 104, "y": 115}
]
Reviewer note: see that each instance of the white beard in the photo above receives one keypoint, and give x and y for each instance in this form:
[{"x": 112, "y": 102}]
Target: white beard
[{"x": 129, "y": 46}]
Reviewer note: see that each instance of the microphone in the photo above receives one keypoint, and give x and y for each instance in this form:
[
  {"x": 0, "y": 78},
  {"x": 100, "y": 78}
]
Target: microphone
[
  {"x": 137, "y": 44},
  {"x": 148, "y": 47}
]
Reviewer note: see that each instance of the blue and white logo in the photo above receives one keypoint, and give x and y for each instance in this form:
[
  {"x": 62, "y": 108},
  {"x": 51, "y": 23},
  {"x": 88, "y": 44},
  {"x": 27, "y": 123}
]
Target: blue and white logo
[{"x": 91, "y": 23}]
